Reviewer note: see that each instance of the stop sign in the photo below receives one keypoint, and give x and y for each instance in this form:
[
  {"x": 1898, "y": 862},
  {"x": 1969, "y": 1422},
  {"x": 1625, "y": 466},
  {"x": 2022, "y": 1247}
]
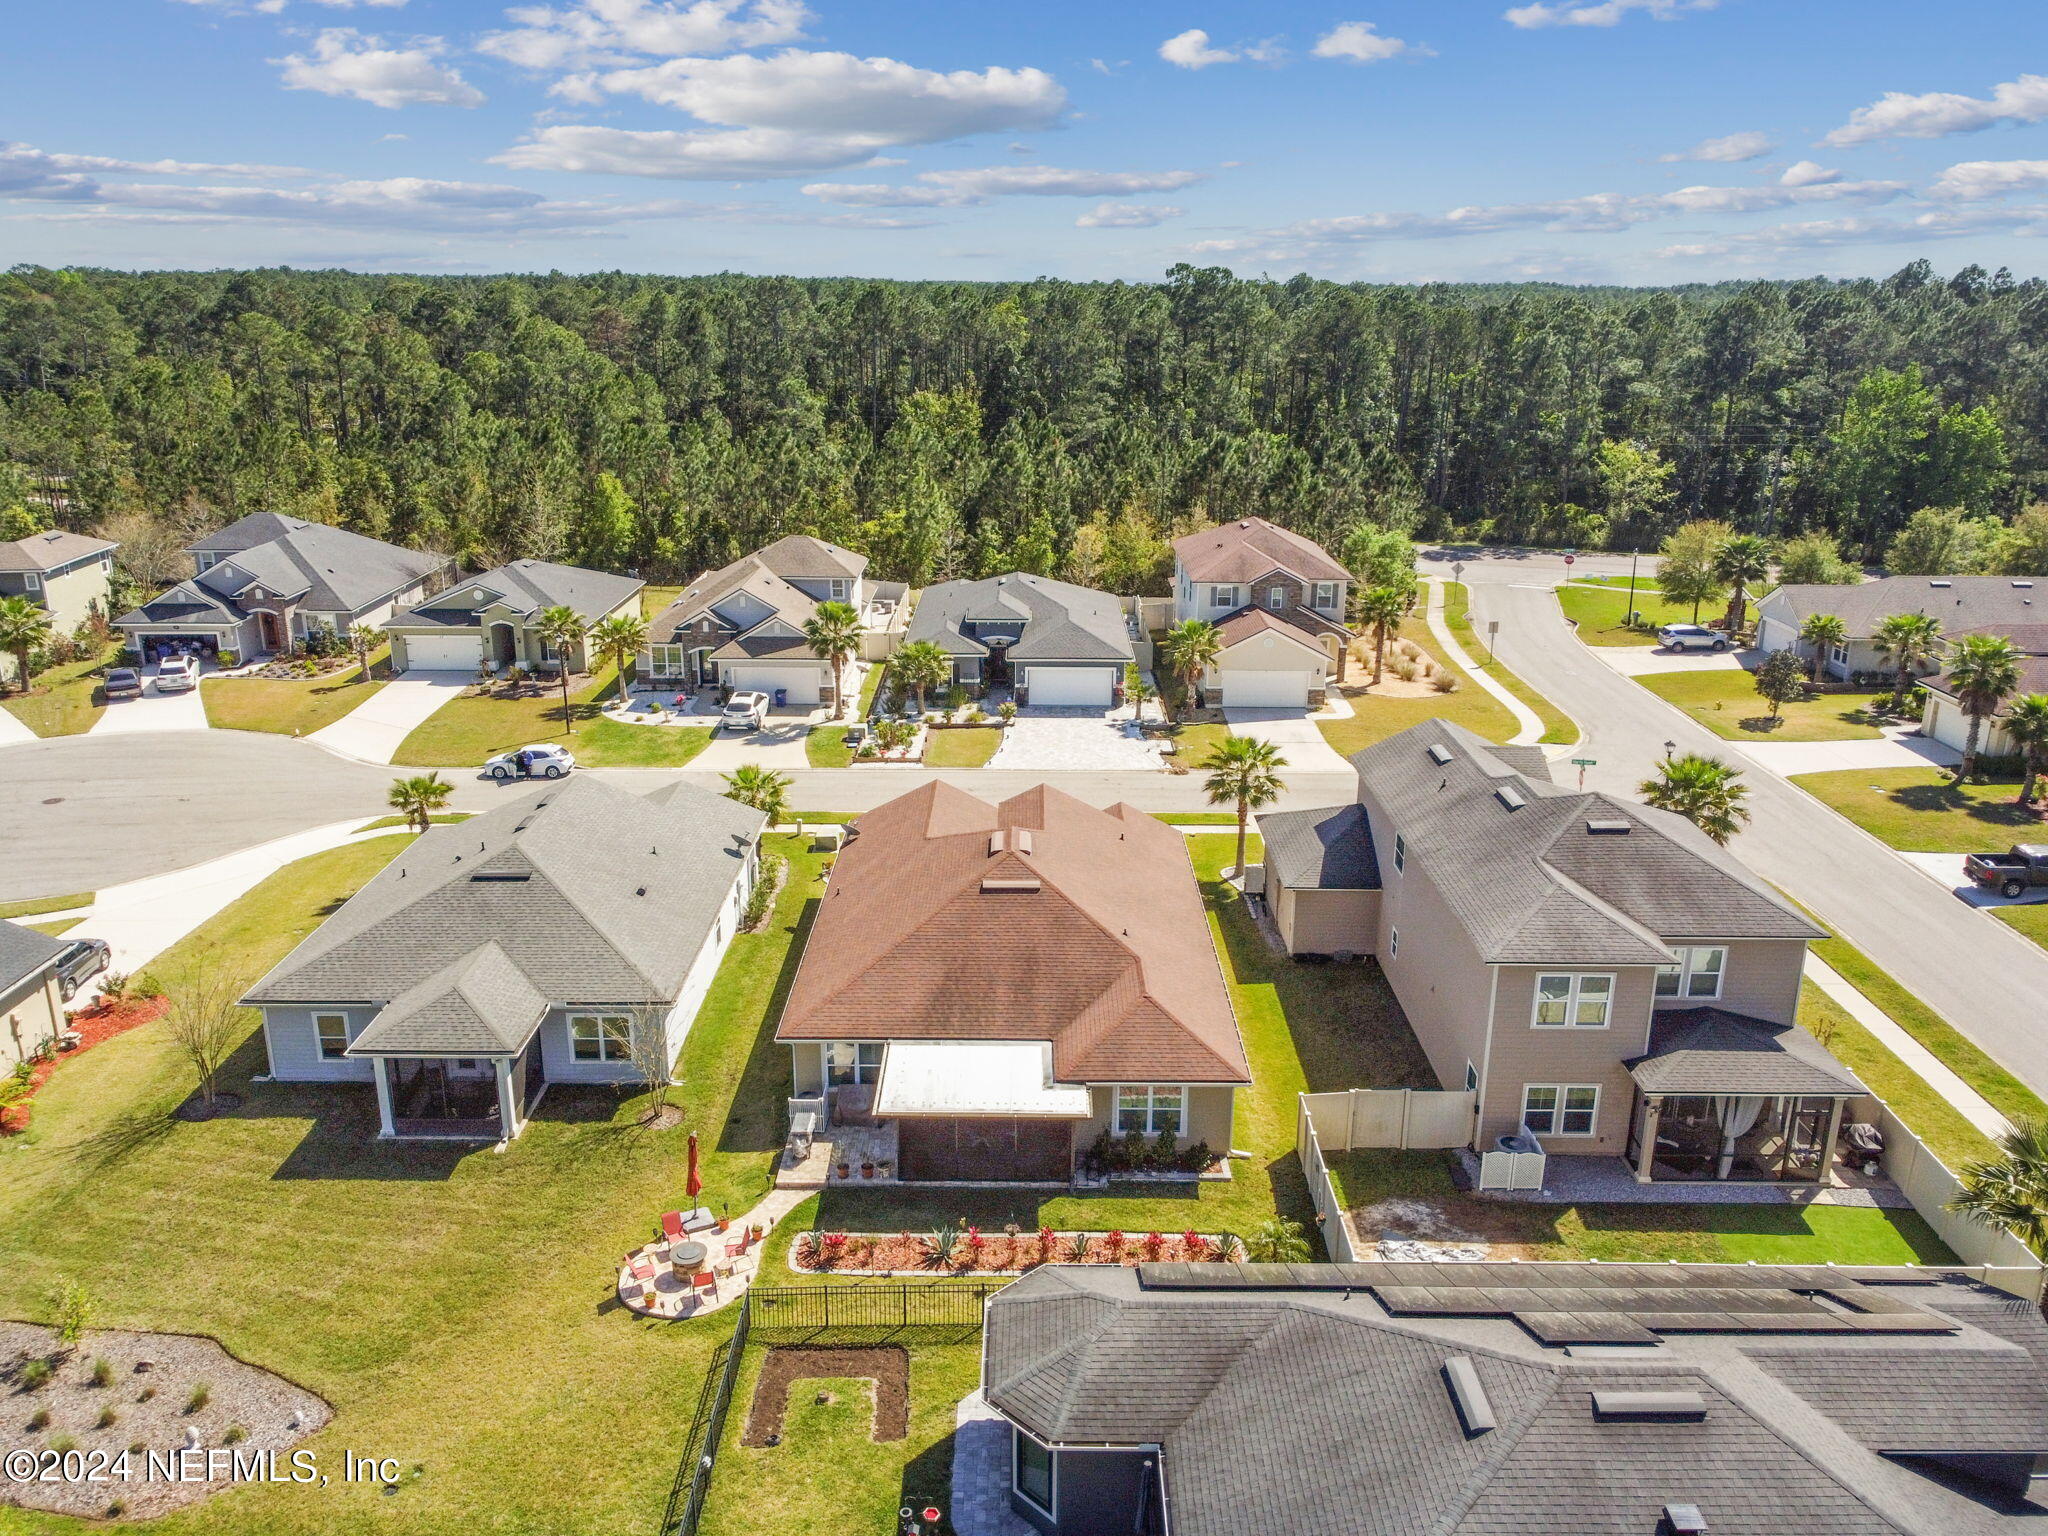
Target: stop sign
[{"x": 1568, "y": 559}]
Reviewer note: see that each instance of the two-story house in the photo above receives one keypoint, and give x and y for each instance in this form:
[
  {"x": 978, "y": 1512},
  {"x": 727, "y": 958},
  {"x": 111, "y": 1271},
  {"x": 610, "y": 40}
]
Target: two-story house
[
  {"x": 1596, "y": 971},
  {"x": 1278, "y": 599},
  {"x": 494, "y": 618},
  {"x": 742, "y": 626},
  {"x": 67, "y": 575}
]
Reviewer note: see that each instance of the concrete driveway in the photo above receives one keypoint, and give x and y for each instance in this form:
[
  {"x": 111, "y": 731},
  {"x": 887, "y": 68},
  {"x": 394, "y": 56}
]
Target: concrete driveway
[
  {"x": 1297, "y": 737},
  {"x": 152, "y": 711},
  {"x": 1896, "y": 749},
  {"x": 373, "y": 729},
  {"x": 1636, "y": 660},
  {"x": 1946, "y": 869},
  {"x": 779, "y": 744},
  {"x": 1053, "y": 739}
]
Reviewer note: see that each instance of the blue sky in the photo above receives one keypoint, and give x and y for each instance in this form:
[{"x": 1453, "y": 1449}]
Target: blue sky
[{"x": 1575, "y": 140}]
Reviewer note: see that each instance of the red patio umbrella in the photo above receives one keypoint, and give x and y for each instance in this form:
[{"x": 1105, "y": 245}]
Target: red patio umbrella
[{"x": 695, "y": 1181}]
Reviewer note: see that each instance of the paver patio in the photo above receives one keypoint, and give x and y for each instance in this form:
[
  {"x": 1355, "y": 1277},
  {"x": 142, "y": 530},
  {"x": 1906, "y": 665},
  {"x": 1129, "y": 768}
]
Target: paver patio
[{"x": 1053, "y": 739}]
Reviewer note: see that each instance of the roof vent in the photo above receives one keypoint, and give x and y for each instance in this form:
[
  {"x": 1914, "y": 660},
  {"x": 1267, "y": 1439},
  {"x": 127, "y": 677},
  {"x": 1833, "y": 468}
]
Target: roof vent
[
  {"x": 2023, "y": 584},
  {"x": 1681, "y": 1406},
  {"x": 487, "y": 877},
  {"x": 1941, "y": 583},
  {"x": 1020, "y": 839},
  {"x": 1468, "y": 1394},
  {"x": 1608, "y": 828},
  {"x": 999, "y": 885},
  {"x": 1441, "y": 754},
  {"x": 1510, "y": 797},
  {"x": 995, "y": 843},
  {"x": 1685, "y": 1519}
]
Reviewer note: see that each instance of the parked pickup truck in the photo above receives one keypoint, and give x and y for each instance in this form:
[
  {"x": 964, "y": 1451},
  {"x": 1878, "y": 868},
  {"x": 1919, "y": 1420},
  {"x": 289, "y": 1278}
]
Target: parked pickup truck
[{"x": 2013, "y": 872}]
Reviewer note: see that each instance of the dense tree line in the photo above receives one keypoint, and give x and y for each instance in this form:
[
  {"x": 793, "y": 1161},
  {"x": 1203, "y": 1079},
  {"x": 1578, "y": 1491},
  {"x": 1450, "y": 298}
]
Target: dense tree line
[{"x": 666, "y": 424}]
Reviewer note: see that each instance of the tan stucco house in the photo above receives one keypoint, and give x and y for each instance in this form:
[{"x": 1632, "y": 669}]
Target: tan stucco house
[
  {"x": 1278, "y": 599},
  {"x": 31, "y": 1003},
  {"x": 492, "y": 619},
  {"x": 68, "y": 575}
]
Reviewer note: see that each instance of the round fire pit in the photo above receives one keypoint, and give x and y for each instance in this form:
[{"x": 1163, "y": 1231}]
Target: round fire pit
[{"x": 688, "y": 1258}]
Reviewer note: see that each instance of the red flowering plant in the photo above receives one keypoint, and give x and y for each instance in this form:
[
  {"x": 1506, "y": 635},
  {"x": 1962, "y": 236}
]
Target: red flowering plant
[
  {"x": 1048, "y": 1244},
  {"x": 1193, "y": 1244},
  {"x": 1153, "y": 1244},
  {"x": 1113, "y": 1243}
]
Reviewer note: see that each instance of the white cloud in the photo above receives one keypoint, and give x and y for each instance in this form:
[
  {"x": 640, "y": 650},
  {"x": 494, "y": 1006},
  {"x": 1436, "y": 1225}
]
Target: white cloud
[
  {"x": 1606, "y": 13},
  {"x": 345, "y": 62},
  {"x": 1975, "y": 179},
  {"x": 1937, "y": 114},
  {"x": 1729, "y": 149},
  {"x": 1127, "y": 215},
  {"x": 272, "y": 7},
  {"x": 1359, "y": 42},
  {"x": 1806, "y": 173},
  {"x": 744, "y": 154},
  {"x": 957, "y": 189},
  {"x": 23, "y": 163},
  {"x": 602, "y": 32},
  {"x": 1191, "y": 50}
]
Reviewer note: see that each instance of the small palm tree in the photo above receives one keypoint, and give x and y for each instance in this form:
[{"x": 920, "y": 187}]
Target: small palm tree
[
  {"x": 1822, "y": 631},
  {"x": 1741, "y": 560},
  {"x": 1982, "y": 671},
  {"x": 1189, "y": 649},
  {"x": 561, "y": 630},
  {"x": 1381, "y": 610},
  {"x": 2026, "y": 721},
  {"x": 921, "y": 666},
  {"x": 618, "y": 640},
  {"x": 763, "y": 788},
  {"x": 1704, "y": 790},
  {"x": 2010, "y": 1192},
  {"x": 417, "y": 798},
  {"x": 1138, "y": 693},
  {"x": 1246, "y": 772},
  {"x": 1910, "y": 642},
  {"x": 833, "y": 634},
  {"x": 24, "y": 629},
  {"x": 1276, "y": 1240},
  {"x": 362, "y": 640}
]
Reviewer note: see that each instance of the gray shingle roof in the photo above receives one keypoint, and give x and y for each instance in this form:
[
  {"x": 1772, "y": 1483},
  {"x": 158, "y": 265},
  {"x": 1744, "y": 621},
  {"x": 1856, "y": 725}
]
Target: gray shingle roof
[
  {"x": 596, "y": 894},
  {"x": 1538, "y": 885},
  {"x": 1326, "y": 850},
  {"x": 800, "y": 557},
  {"x": 479, "y": 1005},
  {"x": 327, "y": 570},
  {"x": 24, "y": 952},
  {"x": 1062, "y": 622},
  {"x": 48, "y": 550},
  {"x": 1960, "y": 603},
  {"x": 527, "y": 586},
  {"x": 1710, "y": 1050}
]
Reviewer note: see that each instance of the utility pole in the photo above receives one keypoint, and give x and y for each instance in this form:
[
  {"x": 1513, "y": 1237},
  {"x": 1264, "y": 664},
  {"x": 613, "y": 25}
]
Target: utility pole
[{"x": 1632, "y": 554}]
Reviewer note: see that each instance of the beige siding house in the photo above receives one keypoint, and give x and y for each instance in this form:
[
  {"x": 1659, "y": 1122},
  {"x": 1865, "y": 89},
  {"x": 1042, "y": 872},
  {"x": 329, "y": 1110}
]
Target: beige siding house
[
  {"x": 1279, "y": 600},
  {"x": 31, "y": 1006},
  {"x": 68, "y": 575}
]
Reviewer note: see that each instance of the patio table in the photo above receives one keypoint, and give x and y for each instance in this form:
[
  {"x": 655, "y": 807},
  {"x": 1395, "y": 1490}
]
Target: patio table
[{"x": 688, "y": 1258}]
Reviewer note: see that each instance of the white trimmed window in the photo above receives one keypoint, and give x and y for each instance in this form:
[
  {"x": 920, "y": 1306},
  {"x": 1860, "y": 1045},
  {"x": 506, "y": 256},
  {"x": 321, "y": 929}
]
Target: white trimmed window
[
  {"x": 601, "y": 1037},
  {"x": 1560, "y": 1109},
  {"x": 1471, "y": 1077},
  {"x": 1276, "y": 598},
  {"x": 838, "y": 589},
  {"x": 332, "y": 1030},
  {"x": 1223, "y": 597},
  {"x": 849, "y": 1062},
  {"x": 32, "y": 580},
  {"x": 1150, "y": 1108},
  {"x": 1326, "y": 594},
  {"x": 1697, "y": 974},
  {"x": 1400, "y": 852},
  {"x": 1032, "y": 1472},
  {"x": 1569, "y": 1001}
]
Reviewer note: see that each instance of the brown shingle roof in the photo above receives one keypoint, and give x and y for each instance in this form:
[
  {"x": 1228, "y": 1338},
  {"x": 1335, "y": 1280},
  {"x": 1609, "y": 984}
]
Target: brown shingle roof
[
  {"x": 1247, "y": 623},
  {"x": 1109, "y": 957},
  {"x": 1248, "y": 548}
]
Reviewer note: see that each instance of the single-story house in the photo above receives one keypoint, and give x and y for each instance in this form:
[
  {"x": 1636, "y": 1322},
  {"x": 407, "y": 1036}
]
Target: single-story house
[
  {"x": 1322, "y": 877},
  {"x": 1051, "y": 642},
  {"x": 492, "y": 619},
  {"x": 31, "y": 1000},
  {"x": 1943, "y": 718},
  {"x": 68, "y": 575},
  {"x": 266, "y": 582},
  {"x": 538, "y": 943},
  {"x": 1000, "y": 984},
  {"x": 742, "y": 627},
  {"x": 1279, "y": 600},
  {"x": 1960, "y": 603},
  {"x": 1530, "y": 1399}
]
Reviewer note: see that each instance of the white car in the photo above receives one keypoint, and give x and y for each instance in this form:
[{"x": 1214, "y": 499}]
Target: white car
[
  {"x": 175, "y": 674},
  {"x": 744, "y": 712},
  {"x": 1691, "y": 637},
  {"x": 542, "y": 760}
]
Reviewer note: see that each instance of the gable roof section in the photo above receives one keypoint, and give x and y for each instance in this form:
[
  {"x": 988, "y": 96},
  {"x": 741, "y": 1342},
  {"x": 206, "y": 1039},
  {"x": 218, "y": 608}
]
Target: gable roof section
[
  {"x": 326, "y": 569},
  {"x": 51, "y": 550},
  {"x": 1322, "y": 850},
  {"x": 595, "y": 894},
  {"x": 800, "y": 557},
  {"x": 1959, "y": 602},
  {"x": 479, "y": 1005},
  {"x": 1711, "y": 1050},
  {"x": 527, "y": 586},
  {"x": 245, "y": 532},
  {"x": 24, "y": 953},
  {"x": 747, "y": 575},
  {"x": 1249, "y": 623},
  {"x": 1538, "y": 885},
  {"x": 1095, "y": 938},
  {"x": 1250, "y": 547},
  {"x": 1061, "y": 622}
]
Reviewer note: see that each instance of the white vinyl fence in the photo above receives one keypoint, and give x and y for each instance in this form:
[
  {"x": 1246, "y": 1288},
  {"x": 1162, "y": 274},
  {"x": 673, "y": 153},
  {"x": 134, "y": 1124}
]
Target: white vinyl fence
[
  {"x": 1321, "y": 1188},
  {"x": 1400, "y": 1118}
]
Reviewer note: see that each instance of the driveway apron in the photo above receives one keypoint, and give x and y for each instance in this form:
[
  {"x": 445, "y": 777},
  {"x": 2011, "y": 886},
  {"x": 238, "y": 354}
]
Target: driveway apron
[
  {"x": 373, "y": 730},
  {"x": 1297, "y": 737}
]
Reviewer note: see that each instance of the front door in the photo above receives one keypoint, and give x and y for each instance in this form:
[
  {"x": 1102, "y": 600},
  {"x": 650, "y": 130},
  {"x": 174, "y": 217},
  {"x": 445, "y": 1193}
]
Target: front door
[
  {"x": 272, "y": 631},
  {"x": 977, "y": 1149}
]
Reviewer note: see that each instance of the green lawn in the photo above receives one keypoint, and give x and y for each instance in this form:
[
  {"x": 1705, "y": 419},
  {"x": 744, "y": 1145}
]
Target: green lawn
[
  {"x": 964, "y": 747},
  {"x": 37, "y": 904},
  {"x": 1558, "y": 727},
  {"x": 66, "y": 700},
  {"x": 826, "y": 746},
  {"x": 1932, "y": 1118},
  {"x": 1196, "y": 818},
  {"x": 465, "y": 731},
  {"x": 1916, "y": 809},
  {"x": 1599, "y": 609},
  {"x": 439, "y": 819},
  {"x": 1374, "y": 719},
  {"x": 455, "y": 1305},
  {"x": 296, "y": 706},
  {"x": 1196, "y": 739},
  {"x": 1725, "y": 701},
  {"x": 653, "y": 599},
  {"x": 60, "y": 926}
]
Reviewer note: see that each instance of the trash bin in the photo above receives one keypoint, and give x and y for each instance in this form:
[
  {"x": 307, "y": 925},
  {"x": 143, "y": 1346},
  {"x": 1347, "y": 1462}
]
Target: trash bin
[{"x": 781, "y": 697}]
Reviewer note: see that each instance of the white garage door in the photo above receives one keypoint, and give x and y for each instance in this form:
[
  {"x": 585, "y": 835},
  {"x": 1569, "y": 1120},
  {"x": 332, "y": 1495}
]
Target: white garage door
[
  {"x": 1244, "y": 689},
  {"x": 1070, "y": 685},
  {"x": 442, "y": 653},
  {"x": 801, "y": 683}
]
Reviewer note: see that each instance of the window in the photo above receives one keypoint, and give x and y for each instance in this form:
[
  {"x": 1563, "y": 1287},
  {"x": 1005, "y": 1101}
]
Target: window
[
  {"x": 852, "y": 1062},
  {"x": 838, "y": 589},
  {"x": 1223, "y": 597},
  {"x": 32, "y": 580},
  {"x": 1393, "y": 942},
  {"x": 601, "y": 1038},
  {"x": 1564, "y": 1002},
  {"x": 1839, "y": 655},
  {"x": 1471, "y": 1078},
  {"x": 1697, "y": 974},
  {"x": 1149, "y": 1109},
  {"x": 1031, "y": 1472},
  {"x": 1276, "y": 598},
  {"x": 1326, "y": 594},
  {"x": 1560, "y": 1109},
  {"x": 332, "y": 1029},
  {"x": 1400, "y": 852}
]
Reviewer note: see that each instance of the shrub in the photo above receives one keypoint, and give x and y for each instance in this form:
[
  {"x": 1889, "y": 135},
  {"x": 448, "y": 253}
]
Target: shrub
[
  {"x": 106, "y": 1419},
  {"x": 102, "y": 1372},
  {"x": 1154, "y": 1244},
  {"x": 1007, "y": 710},
  {"x": 36, "y": 1375},
  {"x": 116, "y": 1508},
  {"x": 1404, "y": 670},
  {"x": 1194, "y": 1158},
  {"x": 940, "y": 1245},
  {"x": 762, "y": 897},
  {"x": 63, "y": 1443},
  {"x": 145, "y": 1394},
  {"x": 1194, "y": 1245},
  {"x": 1443, "y": 682},
  {"x": 202, "y": 1394},
  {"x": 1048, "y": 1244},
  {"x": 74, "y": 1306},
  {"x": 1113, "y": 1243},
  {"x": 235, "y": 1435},
  {"x": 39, "y": 1421},
  {"x": 1164, "y": 1151}
]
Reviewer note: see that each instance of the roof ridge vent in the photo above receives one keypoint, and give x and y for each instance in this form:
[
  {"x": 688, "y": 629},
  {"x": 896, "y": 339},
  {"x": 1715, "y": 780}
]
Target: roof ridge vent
[
  {"x": 1440, "y": 754},
  {"x": 1605, "y": 826},
  {"x": 1469, "y": 1393},
  {"x": 1678, "y": 1407},
  {"x": 1510, "y": 797}
]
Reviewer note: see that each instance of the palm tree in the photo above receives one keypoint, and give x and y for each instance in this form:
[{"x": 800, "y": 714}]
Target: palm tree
[
  {"x": 1276, "y": 1240},
  {"x": 561, "y": 631},
  {"x": 1909, "y": 641},
  {"x": 2026, "y": 721},
  {"x": 1245, "y": 771},
  {"x": 1189, "y": 649},
  {"x": 362, "y": 640},
  {"x": 1704, "y": 790},
  {"x": 1741, "y": 559},
  {"x": 1822, "y": 631},
  {"x": 1381, "y": 610},
  {"x": 1982, "y": 670},
  {"x": 833, "y": 633},
  {"x": 417, "y": 798},
  {"x": 24, "y": 629},
  {"x": 763, "y": 788},
  {"x": 618, "y": 640},
  {"x": 1138, "y": 693},
  {"x": 2010, "y": 1192},
  {"x": 921, "y": 666}
]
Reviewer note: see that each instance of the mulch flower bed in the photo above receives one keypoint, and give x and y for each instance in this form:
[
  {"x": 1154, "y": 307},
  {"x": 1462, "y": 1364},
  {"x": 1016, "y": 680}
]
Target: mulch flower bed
[
  {"x": 100, "y": 1022},
  {"x": 1000, "y": 1253},
  {"x": 886, "y": 1365}
]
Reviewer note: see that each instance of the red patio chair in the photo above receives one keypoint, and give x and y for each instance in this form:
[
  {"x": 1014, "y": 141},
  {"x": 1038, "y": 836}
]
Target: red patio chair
[
  {"x": 736, "y": 1247},
  {"x": 642, "y": 1269},
  {"x": 672, "y": 1225},
  {"x": 704, "y": 1281}
]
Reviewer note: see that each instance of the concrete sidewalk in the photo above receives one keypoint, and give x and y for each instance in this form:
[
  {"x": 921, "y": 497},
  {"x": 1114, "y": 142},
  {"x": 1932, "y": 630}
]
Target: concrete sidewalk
[
  {"x": 1528, "y": 724},
  {"x": 1969, "y": 1103},
  {"x": 372, "y": 731},
  {"x": 12, "y": 730}
]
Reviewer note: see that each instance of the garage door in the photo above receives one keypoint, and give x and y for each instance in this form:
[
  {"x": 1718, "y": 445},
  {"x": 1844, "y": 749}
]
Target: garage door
[
  {"x": 442, "y": 653},
  {"x": 1070, "y": 685},
  {"x": 801, "y": 682},
  {"x": 976, "y": 1149},
  {"x": 1265, "y": 690}
]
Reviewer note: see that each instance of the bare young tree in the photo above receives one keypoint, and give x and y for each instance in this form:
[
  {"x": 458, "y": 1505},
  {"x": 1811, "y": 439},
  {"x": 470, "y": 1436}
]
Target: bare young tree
[
  {"x": 653, "y": 1063},
  {"x": 204, "y": 1020}
]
